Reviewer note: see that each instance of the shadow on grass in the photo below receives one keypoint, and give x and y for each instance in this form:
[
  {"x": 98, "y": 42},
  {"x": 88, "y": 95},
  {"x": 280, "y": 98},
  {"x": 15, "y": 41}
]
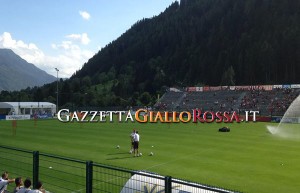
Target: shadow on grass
[
  {"x": 117, "y": 153},
  {"x": 116, "y": 158}
]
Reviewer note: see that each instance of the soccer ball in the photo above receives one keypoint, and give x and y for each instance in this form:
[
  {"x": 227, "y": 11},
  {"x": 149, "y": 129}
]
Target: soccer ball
[
  {"x": 151, "y": 154},
  {"x": 140, "y": 154},
  {"x": 118, "y": 147}
]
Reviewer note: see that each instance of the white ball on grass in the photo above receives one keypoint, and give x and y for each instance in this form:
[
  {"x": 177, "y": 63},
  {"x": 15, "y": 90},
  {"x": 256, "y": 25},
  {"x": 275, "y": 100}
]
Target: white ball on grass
[{"x": 118, "y": 146}]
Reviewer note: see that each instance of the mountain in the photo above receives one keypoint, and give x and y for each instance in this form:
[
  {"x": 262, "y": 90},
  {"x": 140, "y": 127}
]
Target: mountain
[
  {"x": 191, "y": 43},
  {"x": 205, "y": 42},
  {"x": 16, "y": 73}
]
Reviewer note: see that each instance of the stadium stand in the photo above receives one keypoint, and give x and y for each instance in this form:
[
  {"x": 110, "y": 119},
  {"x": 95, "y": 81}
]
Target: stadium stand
[
  {"x": 270, "y": 103},
  {"x": 170, "y": 100}
]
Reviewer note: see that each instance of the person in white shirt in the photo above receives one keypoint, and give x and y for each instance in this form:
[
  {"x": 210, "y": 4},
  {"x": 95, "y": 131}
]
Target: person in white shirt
[
  {"x": 39, "y": 189},
  {"x": 19, "y": 184},
  {"x": 26, "y": 188},
  {"x": 132, "y": 141},
  {"x": 4, "y": 181},
  {"x": 136, "y": 139}
]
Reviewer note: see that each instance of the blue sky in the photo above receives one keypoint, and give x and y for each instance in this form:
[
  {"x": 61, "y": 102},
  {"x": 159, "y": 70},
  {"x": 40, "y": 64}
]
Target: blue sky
[{"x": 65, "y": 34}]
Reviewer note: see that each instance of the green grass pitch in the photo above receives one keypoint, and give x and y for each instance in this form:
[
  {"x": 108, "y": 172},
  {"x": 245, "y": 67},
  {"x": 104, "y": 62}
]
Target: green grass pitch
[{"x": 247, "y": 159}]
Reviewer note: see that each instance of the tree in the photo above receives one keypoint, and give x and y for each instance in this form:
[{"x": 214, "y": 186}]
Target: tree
[
  {"x": 86, "y": 81},
  {"x": 228, "y": 78},
  {"x": 145, "y": 98}
]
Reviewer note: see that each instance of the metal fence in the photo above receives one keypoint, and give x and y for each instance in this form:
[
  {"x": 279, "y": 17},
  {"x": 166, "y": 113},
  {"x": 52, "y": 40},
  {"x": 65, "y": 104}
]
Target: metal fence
[{"x": 61, "y": 175}]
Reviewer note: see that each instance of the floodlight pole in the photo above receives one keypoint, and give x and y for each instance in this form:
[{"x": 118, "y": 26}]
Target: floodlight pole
[{"x": 56, "y": 89}]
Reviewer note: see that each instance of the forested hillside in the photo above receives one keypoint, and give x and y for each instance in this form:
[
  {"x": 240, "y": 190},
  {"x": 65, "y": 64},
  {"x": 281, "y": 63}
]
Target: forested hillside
[
  {"x": 194, "y": 42},
  {"x": 205, "y": 42}
]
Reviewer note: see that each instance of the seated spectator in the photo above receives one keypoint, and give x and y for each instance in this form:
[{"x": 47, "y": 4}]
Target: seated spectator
[
  {"x": 39, "y": 189},
  {"x": 26, "y": 188},
  {"x": 19, "y": 183}
]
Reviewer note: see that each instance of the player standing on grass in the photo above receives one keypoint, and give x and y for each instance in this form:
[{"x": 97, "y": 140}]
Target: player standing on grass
[
  {"x": 136, "y": 143},
  {"x": 132, "y": 141}
]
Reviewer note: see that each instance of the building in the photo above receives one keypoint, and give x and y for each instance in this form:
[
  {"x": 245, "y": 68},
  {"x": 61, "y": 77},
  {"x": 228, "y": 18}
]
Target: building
[{"x": 26, "y": 108}]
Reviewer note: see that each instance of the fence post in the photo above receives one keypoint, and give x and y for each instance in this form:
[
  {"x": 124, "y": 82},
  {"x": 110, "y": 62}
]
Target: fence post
[
  {"x": 89, "y": 177},
  {"x": 168, "y": 184},
  {"x": 35, "y": 169}
]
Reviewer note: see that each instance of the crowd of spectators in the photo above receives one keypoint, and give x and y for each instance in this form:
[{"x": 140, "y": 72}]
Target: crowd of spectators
[
  {"x": 280, "y": 103},
  {"x": 255, "y": 100},
  {"x": 20, "y": 186},
  {"x": 268, "y": 102},
  {"x": 272, "y": 102},
  {"x": 223, "y": 100}
]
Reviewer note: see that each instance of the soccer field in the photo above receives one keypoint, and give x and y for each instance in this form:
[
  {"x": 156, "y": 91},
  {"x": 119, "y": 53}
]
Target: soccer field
[{"x": 247, "y": 159}]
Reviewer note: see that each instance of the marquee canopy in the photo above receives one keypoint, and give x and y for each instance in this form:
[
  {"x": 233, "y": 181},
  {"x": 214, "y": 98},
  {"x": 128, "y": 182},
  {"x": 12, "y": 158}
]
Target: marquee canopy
[{"x": 22, "y": 107}]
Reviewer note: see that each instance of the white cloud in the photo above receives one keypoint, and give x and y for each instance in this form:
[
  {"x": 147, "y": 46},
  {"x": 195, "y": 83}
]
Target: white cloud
[
  {"x": 83, "y": 38},
  {"x": 85, "y": 15},
  {"x": 70, "y": 58},
  {"x": 29, "y": 52}
]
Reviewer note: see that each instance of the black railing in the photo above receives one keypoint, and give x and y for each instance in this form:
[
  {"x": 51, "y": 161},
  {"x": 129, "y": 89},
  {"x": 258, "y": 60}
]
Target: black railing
[{"x": 63, "y": 174}]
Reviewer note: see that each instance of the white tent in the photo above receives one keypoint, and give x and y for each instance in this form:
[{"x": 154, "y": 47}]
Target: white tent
[{"x": 29, "y": 108}]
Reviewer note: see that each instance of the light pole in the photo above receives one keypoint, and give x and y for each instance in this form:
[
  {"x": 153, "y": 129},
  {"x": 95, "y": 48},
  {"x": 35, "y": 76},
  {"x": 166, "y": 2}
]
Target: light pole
[{"x": 56, "y": 90}]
